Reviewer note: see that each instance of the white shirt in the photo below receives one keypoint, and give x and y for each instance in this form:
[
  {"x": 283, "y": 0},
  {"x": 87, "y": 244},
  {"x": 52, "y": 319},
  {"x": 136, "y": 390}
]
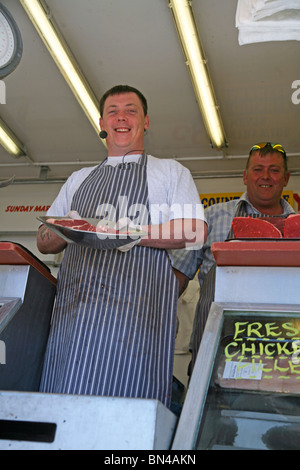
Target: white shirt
[{"x": 172, "y": 191}]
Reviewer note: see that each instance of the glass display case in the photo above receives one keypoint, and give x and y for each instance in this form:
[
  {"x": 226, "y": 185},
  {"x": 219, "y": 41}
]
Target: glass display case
[{"x": 245, "y": 388}]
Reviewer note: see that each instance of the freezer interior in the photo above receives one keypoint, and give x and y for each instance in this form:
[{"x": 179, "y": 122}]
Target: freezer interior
[{"x": 245, "y": 389}]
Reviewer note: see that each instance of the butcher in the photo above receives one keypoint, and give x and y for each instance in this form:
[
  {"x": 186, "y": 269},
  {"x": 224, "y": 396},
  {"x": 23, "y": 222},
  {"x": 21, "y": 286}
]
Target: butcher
[
  {"x": 265, "y": 176},
  {"x": 114, "y": 322}
]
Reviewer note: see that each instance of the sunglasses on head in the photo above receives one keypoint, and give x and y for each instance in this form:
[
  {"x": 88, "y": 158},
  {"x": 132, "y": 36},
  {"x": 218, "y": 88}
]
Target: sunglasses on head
[{"x": 268, "y": 144}]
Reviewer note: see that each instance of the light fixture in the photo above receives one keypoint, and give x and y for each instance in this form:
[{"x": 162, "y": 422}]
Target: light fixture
[
  {"x": 196, "y": 62},
  {"x": 10, "y": 142},
  {"x": 62, "y": 56}
]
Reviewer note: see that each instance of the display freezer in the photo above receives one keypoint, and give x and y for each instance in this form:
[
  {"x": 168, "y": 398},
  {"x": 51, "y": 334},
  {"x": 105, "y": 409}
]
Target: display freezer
[
  {"x": 33, "y": 420},
  {"x": 27, "y": 293},
  {"x": 244, "y": 392}
]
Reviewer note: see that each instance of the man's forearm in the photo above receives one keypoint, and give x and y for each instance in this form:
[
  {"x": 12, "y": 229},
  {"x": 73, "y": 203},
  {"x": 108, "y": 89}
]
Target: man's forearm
[
  {"x": 176, "y": 234},
  {"x": 48, "y": 242}
]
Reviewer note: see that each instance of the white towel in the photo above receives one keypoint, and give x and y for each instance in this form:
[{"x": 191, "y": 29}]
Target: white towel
[
  {"x": 268, "y": 20},
  {"x": 265, "y": 8}
]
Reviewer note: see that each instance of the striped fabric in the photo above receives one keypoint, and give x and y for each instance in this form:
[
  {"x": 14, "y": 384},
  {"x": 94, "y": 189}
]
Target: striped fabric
[
  {"x": 113, "y": 328},
  {"x": 207, "y": 296},
  {"x": 207, "y": 290}
]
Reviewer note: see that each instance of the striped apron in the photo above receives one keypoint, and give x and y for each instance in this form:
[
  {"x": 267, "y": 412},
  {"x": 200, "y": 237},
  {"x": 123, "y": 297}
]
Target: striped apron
[
  {"x": 114, "y": 322},
  {"x": 207, "y": 295}
]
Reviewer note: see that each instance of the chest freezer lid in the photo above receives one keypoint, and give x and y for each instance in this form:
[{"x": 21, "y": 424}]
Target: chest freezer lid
[
  {"x": 277, "y": 253},
  {"x": 15, "y": 254}
]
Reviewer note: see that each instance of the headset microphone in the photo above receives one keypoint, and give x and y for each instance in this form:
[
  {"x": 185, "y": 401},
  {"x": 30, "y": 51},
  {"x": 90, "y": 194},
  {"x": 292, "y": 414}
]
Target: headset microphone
[{"x": 103, "y": 134}]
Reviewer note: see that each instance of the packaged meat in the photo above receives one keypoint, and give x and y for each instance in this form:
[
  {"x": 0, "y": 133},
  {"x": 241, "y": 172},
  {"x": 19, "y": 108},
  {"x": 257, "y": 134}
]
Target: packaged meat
[
  {"x": 292, "y": 226},
  {"x": 249, "y": 227}
]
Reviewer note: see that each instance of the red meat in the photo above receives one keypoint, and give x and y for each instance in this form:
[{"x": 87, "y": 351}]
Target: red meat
[
  {"x": 76, "y": 224},
  {"x": 292, "y": 226},
  {"x": 67, "y": 222},
  {"x": 249, "y": 227},
  {"x": 277, "y": 221},
  {"x": 86, "y": 227},
  {"x": 81, "y": 224}
]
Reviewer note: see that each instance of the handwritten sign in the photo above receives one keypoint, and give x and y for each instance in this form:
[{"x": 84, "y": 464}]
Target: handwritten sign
[{"x": 265, "y": 351}]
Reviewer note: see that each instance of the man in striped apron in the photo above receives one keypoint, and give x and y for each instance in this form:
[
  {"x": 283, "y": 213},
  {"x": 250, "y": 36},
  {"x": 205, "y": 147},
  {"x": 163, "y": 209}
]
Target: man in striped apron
[
  {"x": 265, "y": 177},
  {"x": 114, "y": 322}
]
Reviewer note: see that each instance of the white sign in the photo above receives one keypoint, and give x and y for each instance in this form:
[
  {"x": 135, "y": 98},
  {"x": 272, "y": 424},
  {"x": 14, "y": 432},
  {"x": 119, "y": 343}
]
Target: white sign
[
  {"x": 242, "y": 370},
  {"x": 20, "y": 205}
]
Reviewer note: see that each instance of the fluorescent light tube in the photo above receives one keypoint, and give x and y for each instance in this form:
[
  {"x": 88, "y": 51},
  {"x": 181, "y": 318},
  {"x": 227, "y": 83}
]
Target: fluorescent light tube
[
  {"x": 63, "y": 59},
  {"x": 196, "y": 62}
]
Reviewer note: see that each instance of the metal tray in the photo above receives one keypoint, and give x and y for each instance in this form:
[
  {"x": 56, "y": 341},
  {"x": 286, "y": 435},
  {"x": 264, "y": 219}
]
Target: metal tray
[
  {"x": 256, "y": 239},
  {"x": 96, "y": 240}
]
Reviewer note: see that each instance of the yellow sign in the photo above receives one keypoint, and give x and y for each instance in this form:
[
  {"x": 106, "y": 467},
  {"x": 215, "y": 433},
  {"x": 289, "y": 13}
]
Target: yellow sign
[{"x": 215, "y": 198}]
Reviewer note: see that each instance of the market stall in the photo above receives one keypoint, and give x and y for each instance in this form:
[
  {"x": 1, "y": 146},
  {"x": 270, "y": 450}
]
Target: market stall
[{"x": 33, "y": 420}]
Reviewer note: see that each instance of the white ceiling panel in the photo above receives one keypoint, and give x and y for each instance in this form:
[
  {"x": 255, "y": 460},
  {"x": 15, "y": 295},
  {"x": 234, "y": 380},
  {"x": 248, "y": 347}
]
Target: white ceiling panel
[{"x": 135, "y": 42}]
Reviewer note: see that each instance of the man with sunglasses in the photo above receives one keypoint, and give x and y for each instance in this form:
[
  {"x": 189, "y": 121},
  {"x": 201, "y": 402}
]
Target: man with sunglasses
[{"x": 265, "y": 176}]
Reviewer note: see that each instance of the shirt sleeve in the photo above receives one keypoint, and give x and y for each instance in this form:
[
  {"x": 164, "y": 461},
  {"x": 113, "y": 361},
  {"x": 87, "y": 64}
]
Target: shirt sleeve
[
  {"x": 187, "y": 261},
  {"x": 62, "y": 203},
  {"x": 172, "y": 192}
]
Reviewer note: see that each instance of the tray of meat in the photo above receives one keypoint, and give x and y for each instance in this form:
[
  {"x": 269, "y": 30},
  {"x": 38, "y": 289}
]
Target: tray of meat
[
  {"x": 249, "y": 227},
  {"x": 91, "y": 233},
  {"x": 273, "y": 228}
]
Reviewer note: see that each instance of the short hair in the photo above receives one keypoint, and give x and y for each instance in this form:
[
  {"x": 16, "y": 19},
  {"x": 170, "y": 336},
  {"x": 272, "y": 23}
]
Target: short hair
[
  {"x": 264, "y": 151},
  {"x": 119, "y": 90}
]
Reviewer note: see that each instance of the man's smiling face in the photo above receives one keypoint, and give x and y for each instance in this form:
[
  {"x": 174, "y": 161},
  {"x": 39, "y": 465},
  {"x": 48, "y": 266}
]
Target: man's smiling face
[
  {"x": 125, "y": 123},
  {"x": 265, "y": 179}
]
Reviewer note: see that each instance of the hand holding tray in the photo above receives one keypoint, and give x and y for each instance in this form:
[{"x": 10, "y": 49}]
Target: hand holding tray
[{"x": 98, "y": 240}]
